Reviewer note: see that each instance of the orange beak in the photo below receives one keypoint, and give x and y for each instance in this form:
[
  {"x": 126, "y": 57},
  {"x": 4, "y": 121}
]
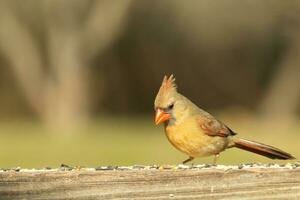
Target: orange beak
[{"x": 161, "y": 116}]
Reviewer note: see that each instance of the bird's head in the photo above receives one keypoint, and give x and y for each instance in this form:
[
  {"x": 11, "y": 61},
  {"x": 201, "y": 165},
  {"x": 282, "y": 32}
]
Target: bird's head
[{"x": 168, "y": 102}]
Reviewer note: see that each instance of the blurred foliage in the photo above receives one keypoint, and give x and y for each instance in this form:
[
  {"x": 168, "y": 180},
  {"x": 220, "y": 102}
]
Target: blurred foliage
[{"x": 223, "y": 54}]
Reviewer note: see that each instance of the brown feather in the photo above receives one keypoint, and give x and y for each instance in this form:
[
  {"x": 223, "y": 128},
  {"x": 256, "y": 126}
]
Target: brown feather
[
  {"x": 213, "y": 127},
  {"x": 262, "y": 149}
]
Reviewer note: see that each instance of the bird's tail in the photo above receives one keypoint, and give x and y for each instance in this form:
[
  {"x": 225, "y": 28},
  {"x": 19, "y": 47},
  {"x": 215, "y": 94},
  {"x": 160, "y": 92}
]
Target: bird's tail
[{"x": 262, "y": 149}]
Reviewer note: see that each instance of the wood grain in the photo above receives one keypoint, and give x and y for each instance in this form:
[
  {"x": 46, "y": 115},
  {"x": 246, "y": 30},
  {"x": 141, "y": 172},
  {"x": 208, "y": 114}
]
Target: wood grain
[{"x": 192, "y": 183}]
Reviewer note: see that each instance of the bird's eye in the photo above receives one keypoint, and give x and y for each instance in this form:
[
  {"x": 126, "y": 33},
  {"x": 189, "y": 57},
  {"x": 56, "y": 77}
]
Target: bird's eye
[{"x": 171, "y": 106}]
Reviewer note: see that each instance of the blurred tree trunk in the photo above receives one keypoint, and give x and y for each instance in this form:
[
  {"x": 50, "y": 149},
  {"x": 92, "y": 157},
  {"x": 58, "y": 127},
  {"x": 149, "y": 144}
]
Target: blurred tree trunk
[
  {"x": 55, "y": 80},
  {"x": 283, "y": 95}
]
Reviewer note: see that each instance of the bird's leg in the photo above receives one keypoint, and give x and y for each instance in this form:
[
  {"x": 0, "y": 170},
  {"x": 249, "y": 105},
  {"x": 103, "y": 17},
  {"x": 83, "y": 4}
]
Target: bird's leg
[
  {"x": 216, "y": 158},
  {"x": 188, "y": 160}
]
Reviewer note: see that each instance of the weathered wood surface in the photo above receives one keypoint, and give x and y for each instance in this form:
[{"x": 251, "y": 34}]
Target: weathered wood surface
[{"x": 221, "y": 182}]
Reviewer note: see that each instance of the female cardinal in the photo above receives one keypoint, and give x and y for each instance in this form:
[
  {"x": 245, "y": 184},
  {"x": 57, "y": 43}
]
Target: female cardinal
[{"x": 197, "y": 133}]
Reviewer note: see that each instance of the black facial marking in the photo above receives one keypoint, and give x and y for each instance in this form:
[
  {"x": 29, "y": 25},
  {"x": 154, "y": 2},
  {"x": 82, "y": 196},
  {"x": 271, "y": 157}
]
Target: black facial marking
[{"x": 170, "y": 107}]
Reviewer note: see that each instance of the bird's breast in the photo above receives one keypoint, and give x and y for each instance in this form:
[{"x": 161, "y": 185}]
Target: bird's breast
[{"x": 189, "y": 138}]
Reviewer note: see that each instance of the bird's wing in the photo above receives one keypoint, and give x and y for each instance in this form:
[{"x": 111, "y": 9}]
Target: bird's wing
[{"x": 213, "y": 127}]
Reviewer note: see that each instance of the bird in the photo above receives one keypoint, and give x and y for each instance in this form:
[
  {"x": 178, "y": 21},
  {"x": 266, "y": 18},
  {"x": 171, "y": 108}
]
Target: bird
[{"x": 197, "y": 133}]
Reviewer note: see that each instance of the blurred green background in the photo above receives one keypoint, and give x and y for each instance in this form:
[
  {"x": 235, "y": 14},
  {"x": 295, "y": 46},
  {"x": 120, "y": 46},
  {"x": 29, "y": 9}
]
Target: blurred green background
[{"x": 78, "y": 78}]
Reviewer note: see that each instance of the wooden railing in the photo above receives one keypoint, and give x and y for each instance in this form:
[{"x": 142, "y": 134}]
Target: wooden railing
[{"x": 152, "y": 182}]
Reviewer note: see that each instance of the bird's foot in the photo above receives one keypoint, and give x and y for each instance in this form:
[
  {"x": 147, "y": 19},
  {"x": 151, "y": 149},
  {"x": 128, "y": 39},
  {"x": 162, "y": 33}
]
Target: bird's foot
[
  {"x": 188, "y": 160},
  {"x": 215, "y": 159}
]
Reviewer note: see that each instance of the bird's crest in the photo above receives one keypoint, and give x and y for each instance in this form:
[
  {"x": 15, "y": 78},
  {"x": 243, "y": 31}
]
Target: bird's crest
[{"x": 168, "y": 84}]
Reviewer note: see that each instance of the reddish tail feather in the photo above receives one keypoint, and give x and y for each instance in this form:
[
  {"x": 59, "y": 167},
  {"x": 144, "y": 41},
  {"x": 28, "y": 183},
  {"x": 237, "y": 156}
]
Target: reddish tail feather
[{"x": 262, "y": 149}]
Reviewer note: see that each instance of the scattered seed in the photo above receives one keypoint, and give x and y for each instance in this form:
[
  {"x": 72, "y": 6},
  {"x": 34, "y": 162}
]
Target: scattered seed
[{"x": 138, "y": 167}]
